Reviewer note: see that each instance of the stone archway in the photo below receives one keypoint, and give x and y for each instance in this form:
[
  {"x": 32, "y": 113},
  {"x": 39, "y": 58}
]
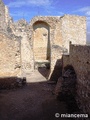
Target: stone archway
[{"x": 41, "y": 43}]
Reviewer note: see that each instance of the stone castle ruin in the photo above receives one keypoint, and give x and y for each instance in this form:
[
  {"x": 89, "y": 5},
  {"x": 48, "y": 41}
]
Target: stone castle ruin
[{"x": 47, "y": 41}]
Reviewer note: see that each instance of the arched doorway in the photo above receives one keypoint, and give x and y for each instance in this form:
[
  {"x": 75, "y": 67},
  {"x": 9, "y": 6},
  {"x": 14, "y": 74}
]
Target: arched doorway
[
  {"x": 41, "y": 41},
  {"x": 41, "y": 44}
]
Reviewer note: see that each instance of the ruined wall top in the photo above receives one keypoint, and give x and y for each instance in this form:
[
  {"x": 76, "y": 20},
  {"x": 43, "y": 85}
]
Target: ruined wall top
[
  {"x": 47, "y": 19},
  {"x": 5, "y": 18},
  {"x": 1, "y": 2},
  {"x": 62, "y": 28},
  {"x": 51, "y": 18}
]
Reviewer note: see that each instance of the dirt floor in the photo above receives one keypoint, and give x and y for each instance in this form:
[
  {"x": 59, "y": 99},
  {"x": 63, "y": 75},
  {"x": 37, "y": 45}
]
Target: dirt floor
[{"x": 34, "y": 101}]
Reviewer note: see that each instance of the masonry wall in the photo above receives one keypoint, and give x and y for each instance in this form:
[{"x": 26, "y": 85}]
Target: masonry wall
[
  {"x": 20, "y": 31},
  {"x": 35, "y": 40},
  {"x": 73, "y": 29},
  {"x": 2, "y": 16},
  {"x": 54, "y": 37},
  {"x": 56, "y": 62},
  {"x": 10, "y": 60},
  {"x": 41, "y": 42},
  {"x": 62, "y": 30},
  {"x": 80, "y": 60}
]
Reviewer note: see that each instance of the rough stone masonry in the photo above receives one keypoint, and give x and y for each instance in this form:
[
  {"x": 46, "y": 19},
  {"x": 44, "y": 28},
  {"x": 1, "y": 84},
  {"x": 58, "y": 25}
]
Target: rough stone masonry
[
  {"x": 44, "y": 39},
  {"x": 26, "y": 46}
]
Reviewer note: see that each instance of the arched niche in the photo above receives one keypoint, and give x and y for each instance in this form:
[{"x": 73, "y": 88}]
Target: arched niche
[{"x": 41, "y": 42}]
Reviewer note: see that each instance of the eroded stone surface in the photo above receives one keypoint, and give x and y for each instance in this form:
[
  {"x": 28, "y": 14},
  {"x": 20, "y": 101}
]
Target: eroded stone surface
[
  {"x": 45, "y": 38},
  {"x": 80, "y": 60},
  {"x": 10, "y": 61},
  {"x": 39, "y": 37}
]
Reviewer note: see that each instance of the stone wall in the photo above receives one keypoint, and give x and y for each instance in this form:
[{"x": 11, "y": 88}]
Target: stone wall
[
  {"x": 73, "y": 29},
  {"x": 41, "y": 41},
  {"x": 56, "y": 62},
  {"x": 19, "y": 30},
  {"x": 79, "y": 59},
  {"x": 40, "y": 37},
  {"x": 8, "y": 18},
  {"x": 10, "y": 60},
  {"x": 5, "y": 18},
  {"x": 51, "y": 23},
  {"x": 61, "y": 31},
  {"x": 2, "y": 16}
]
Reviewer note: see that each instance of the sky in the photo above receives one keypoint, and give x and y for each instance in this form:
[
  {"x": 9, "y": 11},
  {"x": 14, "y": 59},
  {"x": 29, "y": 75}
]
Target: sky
[{"x": 27, "y": 9}]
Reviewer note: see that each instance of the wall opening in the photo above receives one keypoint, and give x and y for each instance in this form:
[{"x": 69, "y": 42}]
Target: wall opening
[
  {"x": 41, "y": 45},
  {"x": 68, "y": 89}
]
